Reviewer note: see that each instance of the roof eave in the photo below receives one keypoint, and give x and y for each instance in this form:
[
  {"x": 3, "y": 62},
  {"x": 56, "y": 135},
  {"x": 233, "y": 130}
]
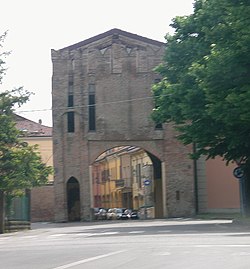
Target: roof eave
[{"x": 113, "y": 32}]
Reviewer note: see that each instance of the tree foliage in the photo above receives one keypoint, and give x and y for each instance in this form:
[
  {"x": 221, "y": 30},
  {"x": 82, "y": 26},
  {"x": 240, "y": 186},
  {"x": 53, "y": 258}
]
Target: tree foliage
[
  {"x": 21, "y": 165},
  {"x": 2, "y": 56},
  {"x": 205, "y": 86}
]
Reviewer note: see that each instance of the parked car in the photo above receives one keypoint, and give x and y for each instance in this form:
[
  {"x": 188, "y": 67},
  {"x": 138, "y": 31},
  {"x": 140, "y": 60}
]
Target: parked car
[
  {"x": 96, "y": 210},
  {"x": 119, "y": 212},
  {"x": 110, "y": 214},
  {"x": 101, "y": 214},
  {"x": 115, "y": 213},
  {"x": 134, "y": 214},
  {"x": 126, "y": 214}
]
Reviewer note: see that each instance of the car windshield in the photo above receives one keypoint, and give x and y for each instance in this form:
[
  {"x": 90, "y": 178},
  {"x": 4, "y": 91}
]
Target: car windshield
[{"x": 118, "y": 210}]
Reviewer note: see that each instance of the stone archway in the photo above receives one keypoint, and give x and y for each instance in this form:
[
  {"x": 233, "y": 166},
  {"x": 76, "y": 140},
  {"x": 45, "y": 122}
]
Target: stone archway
[
  {"x": 73, "y": 199},
  {"x": 128, "y": 177},
  {"x": 158, "y": 186}
]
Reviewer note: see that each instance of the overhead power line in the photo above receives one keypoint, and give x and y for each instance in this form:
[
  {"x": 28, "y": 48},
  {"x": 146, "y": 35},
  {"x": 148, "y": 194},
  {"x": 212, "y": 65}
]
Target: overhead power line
[{"x": 82, "y": 106}]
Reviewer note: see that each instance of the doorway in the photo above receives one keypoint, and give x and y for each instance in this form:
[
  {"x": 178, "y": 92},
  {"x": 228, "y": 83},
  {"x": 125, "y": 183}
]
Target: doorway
[{"x": 73, "y": 199}]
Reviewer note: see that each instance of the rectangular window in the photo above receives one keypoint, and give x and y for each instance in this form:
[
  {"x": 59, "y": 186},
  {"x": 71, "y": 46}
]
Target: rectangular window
[
  {"x": 105, "y": 175},
  {"x": 158, "y": 126},
  {"x": 138, "y": 174},
  {"x": 70, "y": 100},
  {"x": 71, "y": 84},
  {"x": 71, "y": 122},
  {"x": 92, "y": 123},
  {"x": 177, "y": 194}
]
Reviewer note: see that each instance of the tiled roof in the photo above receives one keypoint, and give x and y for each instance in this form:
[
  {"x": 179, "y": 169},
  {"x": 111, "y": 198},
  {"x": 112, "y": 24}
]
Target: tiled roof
[
  {"x": 31, "y": 128},
  {"x": 114, "y": 31}
]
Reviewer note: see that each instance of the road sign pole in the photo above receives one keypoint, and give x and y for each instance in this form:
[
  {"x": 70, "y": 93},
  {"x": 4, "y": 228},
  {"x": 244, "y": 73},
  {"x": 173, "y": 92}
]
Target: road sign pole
[
  {"x": 239, "y": 173},
  {"x": 242, "y": 208}
]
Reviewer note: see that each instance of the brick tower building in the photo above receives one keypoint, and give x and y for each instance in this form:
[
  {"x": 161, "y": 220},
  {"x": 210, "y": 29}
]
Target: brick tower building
[{"x": 101, "y": 93}]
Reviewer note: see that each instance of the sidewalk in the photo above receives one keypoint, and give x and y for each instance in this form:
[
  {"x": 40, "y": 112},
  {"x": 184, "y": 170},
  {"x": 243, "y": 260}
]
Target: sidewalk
[
  {"x": 126, "y": 223},
  {"x": 236, "y": 218}
]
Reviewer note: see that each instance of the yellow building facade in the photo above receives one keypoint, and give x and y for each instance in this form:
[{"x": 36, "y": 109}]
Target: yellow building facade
[
  {"x": 123, "y": 177},
  {"x": 42, "y": 200}
]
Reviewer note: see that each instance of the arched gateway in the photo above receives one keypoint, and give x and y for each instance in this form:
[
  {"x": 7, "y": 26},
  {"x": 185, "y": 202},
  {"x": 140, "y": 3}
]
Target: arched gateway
[{"x": 101, "y": 92}]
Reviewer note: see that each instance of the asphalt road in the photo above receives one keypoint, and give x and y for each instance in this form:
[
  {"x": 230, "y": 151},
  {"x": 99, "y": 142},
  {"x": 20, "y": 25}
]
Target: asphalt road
[{"x": 176, "y": 243}]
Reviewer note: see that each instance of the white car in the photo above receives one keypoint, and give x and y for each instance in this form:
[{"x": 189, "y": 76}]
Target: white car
[
  {"x": 114, "y": 213},
  {"x": 110, "y": 214}
]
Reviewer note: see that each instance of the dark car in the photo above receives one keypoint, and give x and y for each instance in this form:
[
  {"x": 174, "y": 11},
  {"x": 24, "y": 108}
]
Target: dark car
[
  {"x": 134, "y": 214},
  {"x": 126, "y": 214}
]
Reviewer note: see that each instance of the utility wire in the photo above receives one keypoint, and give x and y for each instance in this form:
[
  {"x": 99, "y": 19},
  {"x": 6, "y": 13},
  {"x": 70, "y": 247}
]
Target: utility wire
[{"x": 82, "y": 106}]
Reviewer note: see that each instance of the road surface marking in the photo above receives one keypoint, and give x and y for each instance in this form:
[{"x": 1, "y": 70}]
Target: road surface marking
[
  {"x": 163, "y": 254},
  {"x": 88, "y": 260},
  {"x": 106, "y": 233},
  {"x": 201, "y": 234},
  {"x": 223, "y": 246},
  {"x": 28, "y": 236},
  {"x": 241, "y": 254},
  {"x": 4, "y": 238},
  {"x": 136, "y": 232},
  {"x": 57, "y": 235}
]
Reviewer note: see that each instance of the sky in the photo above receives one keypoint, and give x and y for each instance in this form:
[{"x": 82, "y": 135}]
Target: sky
[{"x": 37, "y": 26}]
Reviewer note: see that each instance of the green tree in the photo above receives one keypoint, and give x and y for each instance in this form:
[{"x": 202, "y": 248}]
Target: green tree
[
  {"x": 205, "y": 86},
  {"x": 21, "y": 166}
]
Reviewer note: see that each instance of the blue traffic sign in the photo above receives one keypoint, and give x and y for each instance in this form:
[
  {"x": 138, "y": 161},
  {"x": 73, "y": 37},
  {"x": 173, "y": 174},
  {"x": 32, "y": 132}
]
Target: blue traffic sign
[
  {"x": 238, "y": 172},
  {"x": 146, "y": 182}
]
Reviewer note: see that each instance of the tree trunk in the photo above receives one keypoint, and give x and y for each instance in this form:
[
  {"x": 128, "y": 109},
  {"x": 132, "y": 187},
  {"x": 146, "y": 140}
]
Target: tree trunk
[{"x": 2, "y": 212}]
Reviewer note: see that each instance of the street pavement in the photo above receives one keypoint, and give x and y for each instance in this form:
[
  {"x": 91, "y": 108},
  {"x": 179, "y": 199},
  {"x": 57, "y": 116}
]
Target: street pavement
[{"x": 168, "y": 243}]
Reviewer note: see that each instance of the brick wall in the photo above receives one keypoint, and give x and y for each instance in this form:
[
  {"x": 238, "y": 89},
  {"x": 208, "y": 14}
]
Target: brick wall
[{"x": 42, "y": 203}]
